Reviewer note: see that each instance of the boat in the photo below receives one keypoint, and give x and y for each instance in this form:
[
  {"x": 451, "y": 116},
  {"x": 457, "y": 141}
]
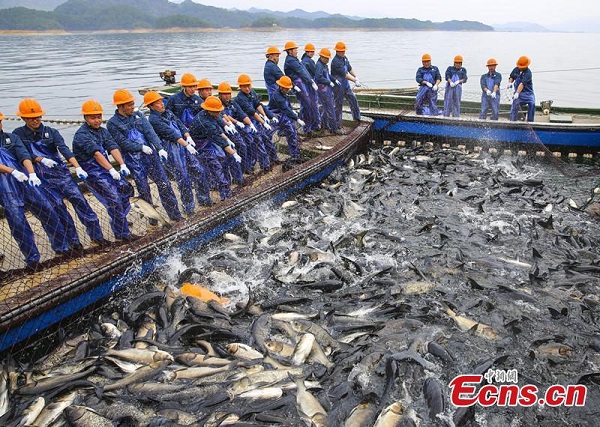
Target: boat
[
  {"x": 31, "y": 303},
  {"x": 562, "y": 131}
]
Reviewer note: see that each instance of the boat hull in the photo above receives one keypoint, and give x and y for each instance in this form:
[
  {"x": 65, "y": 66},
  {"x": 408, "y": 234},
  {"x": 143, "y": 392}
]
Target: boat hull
[{"x": 32, "y": 312}]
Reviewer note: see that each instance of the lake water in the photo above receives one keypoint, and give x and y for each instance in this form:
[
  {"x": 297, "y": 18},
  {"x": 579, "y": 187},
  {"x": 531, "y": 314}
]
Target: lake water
[{"x": 62, "y": 71}]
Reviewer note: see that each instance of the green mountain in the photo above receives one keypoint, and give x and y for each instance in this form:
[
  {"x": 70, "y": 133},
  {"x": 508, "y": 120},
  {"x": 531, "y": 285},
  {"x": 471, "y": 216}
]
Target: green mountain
[{"x": 91, "y": 15}]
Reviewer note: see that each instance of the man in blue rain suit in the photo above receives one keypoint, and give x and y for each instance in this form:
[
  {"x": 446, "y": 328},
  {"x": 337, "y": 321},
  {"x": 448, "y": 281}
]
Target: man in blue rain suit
[
  {"x": 428, "y": 77},
  {"x": 92, "y": 144},
  {"x": 261, "y": 148},
  {"x": 455, "y": 76},
  {"x": 303, "y": 85},
  {"x": 176, "y": 139},
  {"x": 236, "y": 117},
  {"x": 19, "y": 190},
  {"x": 272, "y": 72},
  {"x": 185, "y": 104},
  {"x": 280, "y": 105},
  {"x": 45, "y": 146},
  {"x": 521, "y": 82},
  {"x": 490, "y": 91},
  {"x": 142, "y": 151},
  {"x": 326, "y": 83},
  {"x": 309, "y": 64},
  {"x": 343, "y": 73},
  {"x": 207, "y": 132}
]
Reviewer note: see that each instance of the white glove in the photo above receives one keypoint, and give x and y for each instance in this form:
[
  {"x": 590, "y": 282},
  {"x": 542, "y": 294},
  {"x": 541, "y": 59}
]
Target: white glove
[
  {"x": 253, "y": 128},
  {"x": 191, "y": 149},
  {"x": 81, "y": 173},
  {"x": 274, "y": 120},
  {"x": 434, "y": 88},
  {"x": 237, "y": 157},
  {"x": 267, "y": 120},
  {"x": 452, "y": 84},
  {"x": 190, "y": 141},
  {"x": 337, "y": 82},
  {"x": 229, "y": 130},
  {"x": 241, "y": 125},
  {"x": 314, "y": 86},
  {"x": 147, "y": 150},
  {"x": 115, "y": 175},
  {"x": 516, "y": 96},
  {"x": 163, "y": 155},
  {"x": 49, "y": 163},
  {"x": 488, "y": 92},
  {"x": 125, "y": 170},
  {"x": 267, "y": 126},
  {"x": 19, "y": 176},
  {"x": 332, "y": 84},
  {"x": 493, "y": 95},
  {"x": 231, "y": 144},
  {"x": 34, "y": 181},
  {"x": 429, "y": 85},
  {"x": 297, "y": 89},
  {"x": 301, "y": 122},
  {"x": 357, "y": 83}
]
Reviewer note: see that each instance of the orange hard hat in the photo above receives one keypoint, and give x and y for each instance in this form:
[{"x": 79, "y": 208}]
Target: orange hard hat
[
  {"x": 491, "y": 61},
  {"x": 325, "y": 52},
  {"x": 309, "y": 47},
  {"x": 122, "y": 96},
  {"x": 458, "y": 58},
  {"x": 286, "y": 82},
  {"x": 150, "y": 97},
  {"x": 426, "y": 57},
  {"x": 244, "y": 79},
  {"x": 290, "y": 45},
  {"x": 188, "y": 79},
  {"x": 1, "y": 116},
  {"x": 224, "y": 87},
  {"x": 523, "y": 61},
  {"x": 204, "y": 84},
  {"x": 91, "y": 106},
  {"x": 29, "y": 108},
  {"x": 340, "y": 47},
  {"x": 212, "y": 103},
  {"x": 272, "y": 50}
]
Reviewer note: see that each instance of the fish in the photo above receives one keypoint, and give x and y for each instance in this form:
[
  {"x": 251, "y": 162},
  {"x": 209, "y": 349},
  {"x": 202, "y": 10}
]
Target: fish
[
  {"x": 243, "y": 351},
  {"x": 141, "y": 374},
  {"x": 50, "y": 383},
  {"x": 147, "y": 210},
  {"x": 29, "y": 414},
  {"x": 4, "y": 389},
  {"x": 262, "y": 393},
  {"x": 362, "y": 415},
  {"x": 83, "y": 416},
  {"x": 53, "y": 410},
  {"x": 391, "y": 416},
  {"x": 141, "y": 355},
  {"x": 309, "y": 408},
  {"x": 303, "y": 349},
  {"x": 289, "y": 204},
  {"x": 467, "y": 324},
  {"x": 434, "y": 395}
]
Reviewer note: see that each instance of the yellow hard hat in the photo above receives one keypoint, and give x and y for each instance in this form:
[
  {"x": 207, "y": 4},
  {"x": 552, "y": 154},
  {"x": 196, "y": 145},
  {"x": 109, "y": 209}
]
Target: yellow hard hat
[
  {"x": 91, "y": 106},
  {"x": 340, "y": 47},
  {"x": 204, "y": 84},
  {"x": 325, "y": 52},
  {"x": 212, "y": 103},
  {"x": 122, "y": 96},
  {"x": 224, "y": 87},
  {"x": 244, "y": 79},
  {"x": 29, "y": 108},
  {"x": 290, "y": 45},
  {"x": 523, "y": 62},
  {"x": 286, "y": 82},
  {"x": 188, "y": 79},
  {"x": 151, "y": 97}
]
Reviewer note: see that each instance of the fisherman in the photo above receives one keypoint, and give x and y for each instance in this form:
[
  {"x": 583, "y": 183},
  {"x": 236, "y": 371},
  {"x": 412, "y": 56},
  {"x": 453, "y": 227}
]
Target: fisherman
[
  {"x": 142, "y": 151},
  {"x": 343, "y": 73},
  {"x": 46, "y": 145},
  {"x": 490, "y": 90},
  {"x": 309, "y": 64},
  {"x": 16, "y": 171},
  {"x": 520, "y": 82},
  {"x": 204, "y": 91},
  {"x": 176, "y": 139},
  {"x": 455, "y": 76},
  {"x": 235, "y": 115},
  {"x": 92, "y": 144},
  {"x": 280, "y": 105},
  {"x": 185, "y": 104},
  {"x": 326, "y": 85},
  {"x": 428, "y": 77},
  {"x": 262, "y": 148},
  {"x": 272, "y": 72},
  {"x": 305, "y": 88},
  {"x": 207, "y": 133}
]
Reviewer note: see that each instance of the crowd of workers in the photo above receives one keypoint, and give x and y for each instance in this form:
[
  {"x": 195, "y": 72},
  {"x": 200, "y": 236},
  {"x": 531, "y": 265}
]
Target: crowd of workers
[
  {"x": 520, "y": 88},
  {"x": 199, "y": 141}
]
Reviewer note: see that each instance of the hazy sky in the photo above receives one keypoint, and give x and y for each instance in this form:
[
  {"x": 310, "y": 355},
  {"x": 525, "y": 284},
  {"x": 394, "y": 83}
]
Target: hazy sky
[{"x": 542, "y": 12}]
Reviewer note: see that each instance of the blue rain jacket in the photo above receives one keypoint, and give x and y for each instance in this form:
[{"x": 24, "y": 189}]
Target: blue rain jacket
[
  {"x": 488, "y": 81},
  {"x": 271, "y": 74},
  {"x": 184, "y": 107},
  {"x": 426, "y": 99},
  {"x": 340, "y": 66},
  {"x": 453, "y": 95},
  {"x": 526, "y": 97}
]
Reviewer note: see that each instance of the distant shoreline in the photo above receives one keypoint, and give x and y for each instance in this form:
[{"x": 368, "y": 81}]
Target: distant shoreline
[{"x": 201, "y": 30}]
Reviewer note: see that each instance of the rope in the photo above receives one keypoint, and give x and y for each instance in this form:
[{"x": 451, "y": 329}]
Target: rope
[{"x": 57, "y": 121}]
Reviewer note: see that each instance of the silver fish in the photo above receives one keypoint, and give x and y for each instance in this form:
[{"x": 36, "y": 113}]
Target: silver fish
[
  {"x": 82, "y": 416},
  {"x": 146, "y": 209}
]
